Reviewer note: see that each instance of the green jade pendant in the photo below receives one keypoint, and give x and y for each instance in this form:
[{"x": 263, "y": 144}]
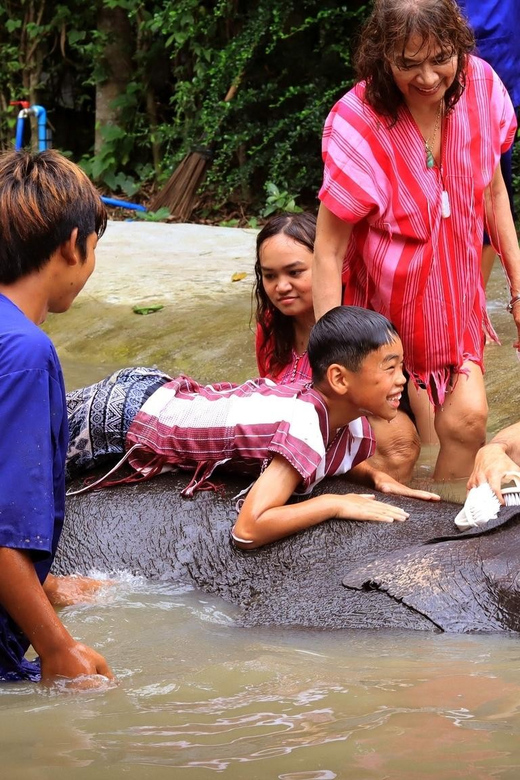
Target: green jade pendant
[{"x": 430, "y": 162}]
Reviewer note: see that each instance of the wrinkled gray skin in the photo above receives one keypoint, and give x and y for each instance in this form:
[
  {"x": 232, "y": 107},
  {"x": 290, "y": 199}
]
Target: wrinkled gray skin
[{"x": 464, "y": 583}]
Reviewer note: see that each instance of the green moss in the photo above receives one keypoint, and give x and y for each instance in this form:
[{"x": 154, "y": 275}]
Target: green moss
[{"x": 210, "y": 340}]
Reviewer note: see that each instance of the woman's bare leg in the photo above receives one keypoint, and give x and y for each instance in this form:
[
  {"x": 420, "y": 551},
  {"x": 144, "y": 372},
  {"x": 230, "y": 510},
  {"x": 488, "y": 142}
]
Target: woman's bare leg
[
  {"x": 461, "y": 425},
  {"x": 424, "y": 414}
]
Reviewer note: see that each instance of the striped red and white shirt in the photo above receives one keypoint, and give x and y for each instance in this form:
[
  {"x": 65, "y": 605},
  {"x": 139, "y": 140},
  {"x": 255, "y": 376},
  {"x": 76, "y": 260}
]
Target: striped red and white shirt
[
  {"x": 405, "y": 260},
  {"x": 243, "y": 426}
]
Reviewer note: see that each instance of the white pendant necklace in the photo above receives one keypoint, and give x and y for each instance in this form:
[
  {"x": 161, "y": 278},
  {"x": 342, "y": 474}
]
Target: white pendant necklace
[
  {"x": 445, "y": 198},
  {"x": 445, "y": 204}
]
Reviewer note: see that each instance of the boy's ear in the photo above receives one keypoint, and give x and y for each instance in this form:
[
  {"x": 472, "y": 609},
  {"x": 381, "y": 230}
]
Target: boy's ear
[
  {"x": 339, "y": 378},
  {"x": 70, "y": 250}
]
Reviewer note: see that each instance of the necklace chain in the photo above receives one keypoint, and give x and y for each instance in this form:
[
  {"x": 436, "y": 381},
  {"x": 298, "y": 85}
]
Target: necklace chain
[{"x": 430, "y": 141}]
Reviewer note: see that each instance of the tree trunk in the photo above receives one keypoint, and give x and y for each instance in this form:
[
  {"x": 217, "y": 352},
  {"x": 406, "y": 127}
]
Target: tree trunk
[
  {"x": 114, "y": 24},
  {"x": 151, "y": 110}
]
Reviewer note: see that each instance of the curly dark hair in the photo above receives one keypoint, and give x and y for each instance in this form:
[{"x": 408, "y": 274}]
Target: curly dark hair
[
  {"x": 387, "y": 31},
  {"x": 277, "y": 328}
]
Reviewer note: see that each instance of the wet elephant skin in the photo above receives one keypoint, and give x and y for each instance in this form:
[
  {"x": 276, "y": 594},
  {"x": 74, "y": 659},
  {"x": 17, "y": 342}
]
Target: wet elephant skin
[
  {"x": 149, "y": 529},
  {"x": 464, "y": 582}
]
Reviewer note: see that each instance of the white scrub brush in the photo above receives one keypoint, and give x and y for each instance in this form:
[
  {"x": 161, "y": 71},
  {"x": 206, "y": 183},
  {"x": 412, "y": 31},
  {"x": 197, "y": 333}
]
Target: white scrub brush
[
  {"x": 482, "y": 504},
  {"x": 512, "y": 494}
]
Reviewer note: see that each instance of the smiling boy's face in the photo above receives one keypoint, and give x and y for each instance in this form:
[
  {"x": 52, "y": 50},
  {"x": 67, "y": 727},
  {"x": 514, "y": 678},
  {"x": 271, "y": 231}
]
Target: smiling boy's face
[{"x": 377, "y": 386}]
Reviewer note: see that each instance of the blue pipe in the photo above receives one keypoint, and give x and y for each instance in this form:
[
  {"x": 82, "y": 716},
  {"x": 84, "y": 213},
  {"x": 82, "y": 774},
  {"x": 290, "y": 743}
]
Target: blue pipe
[
  {"x": 41, "y": 115},
  {"x": 19, "y": 129},
  {"x": 123, "y": 204}
]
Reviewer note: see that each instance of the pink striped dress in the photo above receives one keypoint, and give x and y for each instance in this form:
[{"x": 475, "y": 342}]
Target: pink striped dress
[
  {"x": 298, "y": 368},
  {"x": 405, "y": 260},
  {"x": 201, "y": 427}
]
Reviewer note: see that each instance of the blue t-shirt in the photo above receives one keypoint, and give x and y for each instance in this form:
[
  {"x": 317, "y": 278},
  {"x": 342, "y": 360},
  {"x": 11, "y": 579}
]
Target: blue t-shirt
[
  {"x": 496, "y": 24},
  {"x": 33, "y": 446}
]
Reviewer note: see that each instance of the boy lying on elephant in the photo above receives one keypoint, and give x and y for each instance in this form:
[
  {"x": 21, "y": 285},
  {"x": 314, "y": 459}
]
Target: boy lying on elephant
[{"x": 292, "y": 436}]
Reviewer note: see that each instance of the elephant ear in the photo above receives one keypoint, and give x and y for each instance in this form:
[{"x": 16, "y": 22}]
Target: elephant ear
[{"x": 466, "y": 584}]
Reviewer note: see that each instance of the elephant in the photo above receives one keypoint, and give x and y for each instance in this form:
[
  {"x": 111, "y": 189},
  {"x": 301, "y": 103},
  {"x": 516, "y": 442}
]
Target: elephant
[{"x": 419, "y": 574}]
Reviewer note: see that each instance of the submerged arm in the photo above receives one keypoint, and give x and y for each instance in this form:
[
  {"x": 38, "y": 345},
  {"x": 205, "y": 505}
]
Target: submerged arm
[{"x": 24, "y": 598}]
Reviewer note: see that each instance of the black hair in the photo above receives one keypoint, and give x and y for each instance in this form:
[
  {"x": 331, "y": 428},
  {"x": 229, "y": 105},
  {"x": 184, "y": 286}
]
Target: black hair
[
  {"x": 346, "y": 335},
  {"x": 277, "y": 328}
]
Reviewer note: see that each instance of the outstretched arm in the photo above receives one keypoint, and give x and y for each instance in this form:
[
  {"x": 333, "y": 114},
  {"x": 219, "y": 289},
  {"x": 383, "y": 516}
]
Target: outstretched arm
[
  {"x": 330, "y": 248},
  {"x": 24, "y": 598},
  {"x": 264, "y": 517},
  {"x": 502, "y": 231},
  {"x": 495, "y": 459}
]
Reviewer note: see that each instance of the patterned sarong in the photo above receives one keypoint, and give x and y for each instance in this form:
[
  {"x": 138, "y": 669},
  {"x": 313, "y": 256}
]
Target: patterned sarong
[{"x": 100, "y": 415}]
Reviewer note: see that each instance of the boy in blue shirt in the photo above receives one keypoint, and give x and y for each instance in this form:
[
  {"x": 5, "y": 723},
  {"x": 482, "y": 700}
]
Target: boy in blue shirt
[{"x": 50, "y": 219}]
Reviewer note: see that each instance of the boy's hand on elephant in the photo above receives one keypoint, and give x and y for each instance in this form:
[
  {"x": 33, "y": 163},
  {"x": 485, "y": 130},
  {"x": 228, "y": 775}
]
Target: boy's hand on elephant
[
  {"x": 387, "y": 484},
  {"x": 364, "y": 507}
]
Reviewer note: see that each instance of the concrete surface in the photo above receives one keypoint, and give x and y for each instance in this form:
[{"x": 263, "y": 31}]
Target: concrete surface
[{"x": 204, "y": 327}]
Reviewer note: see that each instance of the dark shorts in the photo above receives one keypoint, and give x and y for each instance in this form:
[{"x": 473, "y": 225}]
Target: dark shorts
[{"x": 404, "y": 403}]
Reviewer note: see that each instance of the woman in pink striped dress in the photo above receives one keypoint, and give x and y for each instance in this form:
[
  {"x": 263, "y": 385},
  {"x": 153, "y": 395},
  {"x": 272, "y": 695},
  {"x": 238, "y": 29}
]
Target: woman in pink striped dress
[{"x": 411, "y": 176}]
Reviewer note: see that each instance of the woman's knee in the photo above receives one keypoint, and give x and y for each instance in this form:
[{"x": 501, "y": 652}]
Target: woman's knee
[
  {"x": 463, "y": 418},
  {"x": 466, "y": 427}
]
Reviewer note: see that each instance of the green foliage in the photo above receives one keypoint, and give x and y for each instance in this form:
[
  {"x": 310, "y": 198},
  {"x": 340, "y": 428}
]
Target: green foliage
[
  {"x": 229, "y": 222},
  {"x": 253, "y": 80},
  {"x": 39, "y": 50},
  {"x": 289, "y": 62},
  {"x": 153, "y": 216},
  {"x": 108, "y": 165},
  {"x": 278, "y": 200}
]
